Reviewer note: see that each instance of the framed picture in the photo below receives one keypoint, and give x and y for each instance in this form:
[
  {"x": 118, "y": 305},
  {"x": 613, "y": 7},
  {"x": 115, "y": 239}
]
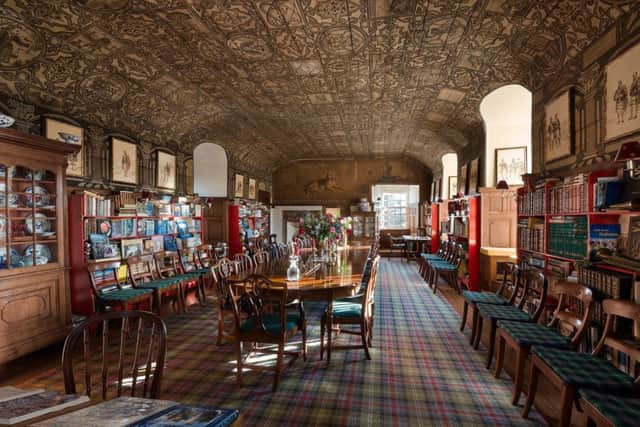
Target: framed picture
[
  {"x": 622, "y": 96},
  {"x": 453, "y": 186},
  {"x": 158, "y": 242},
  {"x": 71, "y": 134},
  {"x": 239, "y": 186},
  {"x": 131, "y": 247},
  {"x": 432, "y": 194},
  {"x": 558, "y": 127},
  {"x": 462, "y": 180},
  {"x": 511, "y": 164},
  {"x": 252, "y": 188},
  {"x": 474, "y": 173},
  {"x": 124, "y": 161},
  {"x": 166, "y": 176}
]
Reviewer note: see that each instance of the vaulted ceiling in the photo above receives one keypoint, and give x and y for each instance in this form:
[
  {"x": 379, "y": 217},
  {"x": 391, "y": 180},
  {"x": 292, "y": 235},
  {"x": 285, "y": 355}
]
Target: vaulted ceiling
[{"x": 274, "y": 81}]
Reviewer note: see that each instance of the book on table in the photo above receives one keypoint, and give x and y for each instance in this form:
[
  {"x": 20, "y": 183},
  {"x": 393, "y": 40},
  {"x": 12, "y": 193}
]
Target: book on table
[
  {"x": 18, "y": 405},
  {"x": 190, "y": 415}
]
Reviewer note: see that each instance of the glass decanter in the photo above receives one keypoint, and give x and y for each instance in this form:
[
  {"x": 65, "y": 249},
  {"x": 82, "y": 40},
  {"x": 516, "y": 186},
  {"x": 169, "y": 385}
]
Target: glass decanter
[{"x": 293, "y": 272}]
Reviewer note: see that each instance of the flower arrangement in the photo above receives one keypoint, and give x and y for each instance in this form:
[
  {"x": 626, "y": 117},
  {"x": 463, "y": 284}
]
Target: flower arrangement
[{"x": 323, "y": 227}]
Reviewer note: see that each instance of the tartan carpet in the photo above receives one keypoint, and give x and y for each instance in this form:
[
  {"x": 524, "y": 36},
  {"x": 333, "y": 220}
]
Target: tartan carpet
[{"x": 423, "y": 371}]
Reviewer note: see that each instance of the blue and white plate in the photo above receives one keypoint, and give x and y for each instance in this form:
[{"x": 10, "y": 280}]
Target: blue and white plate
[
  {"x": 37, "y": 193},
  {"x": 6, "y": 121},
  {"x": 38, "y": 224},
  {"x": 16, "y": 259},
  {"x": 37, "y": 175},
  {"x": 43, "y": 254}
]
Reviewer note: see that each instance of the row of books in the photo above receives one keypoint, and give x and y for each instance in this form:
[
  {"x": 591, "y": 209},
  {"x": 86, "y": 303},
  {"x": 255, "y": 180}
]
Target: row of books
[
  {"x": 97, "y": 205},
  {"x": 531, "y": 203},
  {"x": 138, "y": 227},
  {"x": 569, "y": 198},
  {"x": 531, "y": 235},
  {"x": 568, "y": 236},
  {"x": 604, "y": 284}
]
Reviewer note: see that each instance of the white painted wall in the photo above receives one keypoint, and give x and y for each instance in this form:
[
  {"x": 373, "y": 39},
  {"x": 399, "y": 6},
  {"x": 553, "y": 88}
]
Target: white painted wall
[
  {"x": 210, "y": 170},
  {"x": 507, "y": 115},
  {"x": 276, "y": 217},
  {"x": 449, "y": 168}
]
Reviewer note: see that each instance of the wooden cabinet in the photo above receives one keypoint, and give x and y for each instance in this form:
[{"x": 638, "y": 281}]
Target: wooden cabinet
[
  {"x": 499, "y": 218},
  {"x": 363, "y": 228},
  {"x": 34, "y": 292}
]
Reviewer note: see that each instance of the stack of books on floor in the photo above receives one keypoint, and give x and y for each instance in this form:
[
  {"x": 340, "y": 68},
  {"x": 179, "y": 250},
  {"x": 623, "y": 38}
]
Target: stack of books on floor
[{"x": 18, "y": 406}]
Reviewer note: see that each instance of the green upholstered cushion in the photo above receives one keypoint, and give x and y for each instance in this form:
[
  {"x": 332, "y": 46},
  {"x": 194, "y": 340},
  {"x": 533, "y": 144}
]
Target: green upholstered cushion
[
  {"x": 483, "y": 297},
  {"x": 621, "y": 411},
  {"x": 502, "y": 312},
  {"x": 530, "y": 334},
  {"x": 346, "y": 309},
  {"x": 444, "y": 267},
  {"x": 431, "y": 257},
  {"x": 158, "y": 284},
  {"x": 124, "y": 294},
  {"x": 584, "y": 370},
  {"x": 271, "y": 323}
]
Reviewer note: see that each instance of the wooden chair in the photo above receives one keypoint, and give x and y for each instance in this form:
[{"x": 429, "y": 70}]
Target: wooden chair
[
  {"x": 396, "y": 243},
  {"x": 189, "y": 265},
  {"x": 606, "y": 410},
  {"x": 206, "y": 255},
  {"x": 142, "y": 275},
  {"x": 440, "y": 255},
  {"x": 521, "y": 336},
  {"x": 357, "y": 310},
  {"x": 260, "y": 257},
  {"x": 109, "y": 293},
  {"x": 447, "y": 270},
  {"x": 529, "y": 308},
  {"x": 220, "y": 273},
  {"x": 243, "y": 262},
  {"x": 571, "y": 371},
  {"x": 167, "y": 265},
  {"x": 140, "y": 356},
  {"x": 471, "y": 298},
  {"x": 265, "y": 304}
]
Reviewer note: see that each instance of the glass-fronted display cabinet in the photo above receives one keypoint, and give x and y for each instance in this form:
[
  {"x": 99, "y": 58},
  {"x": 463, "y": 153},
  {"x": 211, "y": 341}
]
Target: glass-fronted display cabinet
[
  {"x": 34, "y": 275},
  {"x": 363, "y": 227}
]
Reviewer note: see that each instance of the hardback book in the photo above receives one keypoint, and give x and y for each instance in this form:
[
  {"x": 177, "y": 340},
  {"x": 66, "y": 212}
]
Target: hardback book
[
  {"x": 193, "y": 416},
  {"x": 633, "y": 238},
  {"x": 24, "y": 408},
  {"x": 119, "y": 412}
]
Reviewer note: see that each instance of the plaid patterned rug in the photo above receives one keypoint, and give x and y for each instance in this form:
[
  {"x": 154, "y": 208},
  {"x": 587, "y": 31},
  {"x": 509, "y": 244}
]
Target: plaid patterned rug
[{"x": 423, "y": 371}]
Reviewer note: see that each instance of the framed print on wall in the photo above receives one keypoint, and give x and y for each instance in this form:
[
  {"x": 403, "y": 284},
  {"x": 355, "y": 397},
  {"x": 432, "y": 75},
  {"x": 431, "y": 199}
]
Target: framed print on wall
[
  {"x": 166, "y": 171},
  {"x": 238, "y": 186},
  {"x": 453, "y": 186},
  {"x": 71, "y": 134},
  {"x": 474, "y": 172},
  {"x": 462, "y": 180},
  {"x": 511, "y": 164},
  {"x": 252, "y": 188},
  {"x": 432, "y": 194},
  {"x": 622, "y": 99},
  {"x": 124, "y": 161},
  {"x": 558, "y": 127}
]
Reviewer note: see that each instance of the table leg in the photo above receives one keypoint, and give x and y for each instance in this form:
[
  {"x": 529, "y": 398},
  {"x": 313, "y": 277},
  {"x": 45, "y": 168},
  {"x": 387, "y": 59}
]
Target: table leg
[{"x": 329, "y": 327}]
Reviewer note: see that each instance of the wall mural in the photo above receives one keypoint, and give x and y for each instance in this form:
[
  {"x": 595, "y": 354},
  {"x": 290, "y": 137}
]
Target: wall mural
[{"x": 277, "y": 81}]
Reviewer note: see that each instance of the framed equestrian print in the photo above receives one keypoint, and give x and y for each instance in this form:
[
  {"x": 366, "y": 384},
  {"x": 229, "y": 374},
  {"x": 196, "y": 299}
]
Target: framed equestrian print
[
  {"x": 558, "y": 127},
  {"x": 622, "y": 98}
]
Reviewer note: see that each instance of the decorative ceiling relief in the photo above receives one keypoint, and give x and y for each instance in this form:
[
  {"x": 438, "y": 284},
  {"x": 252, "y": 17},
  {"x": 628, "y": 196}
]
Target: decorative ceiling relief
[{"x": 274, "y": 81}]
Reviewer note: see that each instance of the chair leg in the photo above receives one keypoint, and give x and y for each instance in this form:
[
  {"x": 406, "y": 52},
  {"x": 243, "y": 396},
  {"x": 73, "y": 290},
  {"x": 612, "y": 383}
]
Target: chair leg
[
  {"x": 239, "y": 360},
  {"x": 276, "y": 379},
  {"x": 329, "y": 329},
  {"x": 499, "y": 357},
  {"x": 479, "y": 325},
  {"x": 436, "y": 277},
  {"x": 474, "y": 324},
  {"x": 363, "y": 334},
  {"x": 304, "y": 341},
  {"x": 220, "y": 326},
  {"x": 464, "y": 315},
  {"x": 322, "y": 326},
  {"x": 521, "y": 357},
  {"x": 534, "y": 372},
  {"x": 567, "y": 395},
  {"x": 492, "y": 342}
]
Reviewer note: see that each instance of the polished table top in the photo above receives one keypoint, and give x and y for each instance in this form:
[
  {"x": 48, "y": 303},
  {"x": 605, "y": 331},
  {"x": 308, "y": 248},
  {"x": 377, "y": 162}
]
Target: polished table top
[{"x": 328, "y": 280}]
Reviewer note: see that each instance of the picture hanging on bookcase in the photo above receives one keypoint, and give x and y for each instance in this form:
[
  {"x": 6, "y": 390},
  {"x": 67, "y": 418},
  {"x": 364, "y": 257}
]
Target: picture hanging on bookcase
[
  {"x": 510, "y": 165},
  {"x": 622, "y": 99},
  {"x": 124, "y": 161},
  {"x": 474, "y": 172},
  {"x": 462, "y": 179},
  {"x": 558, "y": 127},
  {"x": 166, "y": 171}
]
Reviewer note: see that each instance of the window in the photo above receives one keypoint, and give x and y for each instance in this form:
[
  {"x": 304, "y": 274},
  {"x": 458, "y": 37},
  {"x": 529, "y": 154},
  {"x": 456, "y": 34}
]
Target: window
[{"x": 393, "y": 213}]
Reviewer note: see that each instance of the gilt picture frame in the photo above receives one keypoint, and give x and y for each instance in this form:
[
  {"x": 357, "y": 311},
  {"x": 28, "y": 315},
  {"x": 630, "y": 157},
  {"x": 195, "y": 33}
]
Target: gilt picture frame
[
  {"x": 474, "y": 176},
  {"x": 252, "y": 188},
  {"x": 510, "y": 164},
  {"x": 66, "y": 132},
  {"x": 166, "y": 170},
  {"x": 238, "y": 185},
  {"x": 453, "y": 187},
  {"x": 124, "y": 161},
  {"x": 622, "y": 95},
  {"x": 559, "y": 127},
  {"x": 462, "y": 179}
]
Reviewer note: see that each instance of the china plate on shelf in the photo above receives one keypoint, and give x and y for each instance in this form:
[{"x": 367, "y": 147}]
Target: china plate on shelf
[
  {"x": 43, "y": 254},
  {"x": 16, "y": 259},
  {"x": 40, "y": 225},
  {"x": 37, "y": 175},
  {"x": 40, "y": 194}
]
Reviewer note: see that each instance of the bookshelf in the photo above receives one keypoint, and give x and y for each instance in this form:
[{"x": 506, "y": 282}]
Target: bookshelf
[
  {"x": 248, "y": 223},
  {"x": 111, "y": 226}
]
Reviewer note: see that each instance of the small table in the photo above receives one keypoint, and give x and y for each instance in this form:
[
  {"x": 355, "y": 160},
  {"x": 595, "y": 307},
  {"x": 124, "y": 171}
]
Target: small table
[{"x": 414, "y": 245}]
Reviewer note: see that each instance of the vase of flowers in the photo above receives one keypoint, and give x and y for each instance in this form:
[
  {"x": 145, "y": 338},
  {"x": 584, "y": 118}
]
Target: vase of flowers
[{"x": 324, "y": 229}]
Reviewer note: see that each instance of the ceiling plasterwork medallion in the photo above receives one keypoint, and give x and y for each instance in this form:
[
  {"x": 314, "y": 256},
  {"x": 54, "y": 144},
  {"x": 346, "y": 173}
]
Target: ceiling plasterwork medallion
[
  {"x": 341, "y": 41},
  {"x": 101, "y": 89},
  {"x": 20, "y": 44},
  {"x": 250, "y": 47}
]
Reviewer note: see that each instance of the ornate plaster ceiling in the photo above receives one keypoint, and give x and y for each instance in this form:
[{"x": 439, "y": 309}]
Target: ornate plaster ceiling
[{"x": 274, "y": 81}]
